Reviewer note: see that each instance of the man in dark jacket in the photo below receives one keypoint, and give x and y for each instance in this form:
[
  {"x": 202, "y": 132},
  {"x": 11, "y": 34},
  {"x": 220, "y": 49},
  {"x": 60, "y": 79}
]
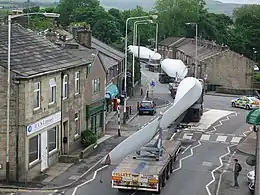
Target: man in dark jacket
[{"x": 236, "y": 169}]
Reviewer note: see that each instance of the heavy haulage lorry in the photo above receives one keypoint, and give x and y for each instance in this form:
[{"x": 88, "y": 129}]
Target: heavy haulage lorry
[
  {"x": 177, "y": 71},
  {"x": 145, "y": 159}
]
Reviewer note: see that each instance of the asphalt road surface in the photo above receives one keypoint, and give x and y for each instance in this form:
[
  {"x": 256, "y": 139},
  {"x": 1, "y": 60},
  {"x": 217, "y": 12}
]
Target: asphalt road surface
[{"x": 194, "y": 171}]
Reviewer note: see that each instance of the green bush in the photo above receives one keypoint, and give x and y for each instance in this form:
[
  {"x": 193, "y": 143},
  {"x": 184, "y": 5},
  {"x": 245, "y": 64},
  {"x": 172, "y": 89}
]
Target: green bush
[
  {"x": 257, "y": 77},
  {"x": 88, "y": 138}
]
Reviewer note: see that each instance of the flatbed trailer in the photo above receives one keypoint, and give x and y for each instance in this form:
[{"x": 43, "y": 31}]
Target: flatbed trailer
[{"x": 144, "y": 171}]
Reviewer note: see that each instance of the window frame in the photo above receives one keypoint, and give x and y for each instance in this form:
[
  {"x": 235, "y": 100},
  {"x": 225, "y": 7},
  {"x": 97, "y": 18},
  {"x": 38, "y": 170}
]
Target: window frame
[
  {"x": 35, "y": 91},
  {"x": 95, "y": 86},
  {"x": 65, "y": 83},
  {"x": 77, "y": 84},
  {"x": 52, "y": 92},
  {"x": 38, "y": 151},
  {"x": 76, "y": 120},
  {"x": 56, "y": 140}
]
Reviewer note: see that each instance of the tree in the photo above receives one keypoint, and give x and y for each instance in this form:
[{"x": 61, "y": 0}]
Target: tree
[
  {"x": 106, "y": 31},
  {"x": 174, "y": 15},
  {"x": 66, "y": 7},
  {"x": 247, "y": 30}
]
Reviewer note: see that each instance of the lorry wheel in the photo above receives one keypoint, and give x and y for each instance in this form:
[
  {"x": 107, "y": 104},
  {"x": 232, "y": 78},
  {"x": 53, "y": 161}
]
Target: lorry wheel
[
  {"x": 171, "y": 166},
  {"x": 168, "y": 172},
  {"x": 164, "y": 178}
]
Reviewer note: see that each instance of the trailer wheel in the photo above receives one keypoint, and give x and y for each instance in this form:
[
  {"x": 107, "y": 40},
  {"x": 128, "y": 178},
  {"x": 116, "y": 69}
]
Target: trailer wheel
[
  {"x": 171, "y": 166},
  {"x": 164, "y": 177}
]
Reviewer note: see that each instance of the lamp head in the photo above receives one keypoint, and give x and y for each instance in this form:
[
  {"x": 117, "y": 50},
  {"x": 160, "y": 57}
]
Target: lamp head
[{"x": 154, "y": 17}]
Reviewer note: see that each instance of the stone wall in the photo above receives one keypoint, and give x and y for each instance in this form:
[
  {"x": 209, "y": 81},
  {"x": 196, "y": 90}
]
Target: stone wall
[{"x": 229, "y": 69}]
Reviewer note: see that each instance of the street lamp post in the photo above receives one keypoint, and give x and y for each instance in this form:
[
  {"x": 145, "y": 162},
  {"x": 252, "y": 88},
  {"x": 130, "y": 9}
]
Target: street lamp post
[
  {"x": 10, "y": 17},
  {"x": 125, "y": 73},
  {"x": 196, "y": 49},
  {"x": 136, "y": 23}
]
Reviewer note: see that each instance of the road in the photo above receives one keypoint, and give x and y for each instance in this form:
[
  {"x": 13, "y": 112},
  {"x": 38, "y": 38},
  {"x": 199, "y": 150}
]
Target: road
[{"x": 200, "y": 159}]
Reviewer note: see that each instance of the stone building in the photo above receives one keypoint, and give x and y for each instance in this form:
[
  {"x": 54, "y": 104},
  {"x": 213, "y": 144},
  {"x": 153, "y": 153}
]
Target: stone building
[
  {"x": 48, "y": 102},
  {"x": 95, "y": 79},
  {"x": 112, "y": 61},
  {"x": 218, "y": 64}
]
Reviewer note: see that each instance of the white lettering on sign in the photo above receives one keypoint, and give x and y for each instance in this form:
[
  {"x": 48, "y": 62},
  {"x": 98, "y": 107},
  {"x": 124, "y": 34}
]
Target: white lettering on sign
[{"x": 43, "y": 123}]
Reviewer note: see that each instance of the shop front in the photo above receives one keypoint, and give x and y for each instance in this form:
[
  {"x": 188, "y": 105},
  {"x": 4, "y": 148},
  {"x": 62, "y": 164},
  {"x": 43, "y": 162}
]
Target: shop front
[
  {"x": 111, "y": 94},
  {"x": 95, "y": 117},
  {"x": 42, "y": 143}
]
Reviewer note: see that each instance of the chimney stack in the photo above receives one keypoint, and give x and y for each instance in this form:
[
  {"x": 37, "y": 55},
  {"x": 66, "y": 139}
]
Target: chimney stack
[
  {"x": 51, "y": 36},
  {"x": 84, "y": 37}
]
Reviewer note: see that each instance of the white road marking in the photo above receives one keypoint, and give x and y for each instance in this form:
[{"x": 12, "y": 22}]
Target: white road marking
[
  {"x": 191, "y": 154},
  {"x": 221, "y": 175},
  {"x": 86, "y": 182},
  {"x": 249, "y": 131},
  {"x": 172, "y": 136},
  {"x": 186, "y": 149},
  {"x": 221, "y": 164},
  {"x": 221, "y": 138},
  {"x": 236, "y": 139},
  {"x": 223, "y": 120},
  {"x": 205, "y": 137},
  {"x": 187, "y": 136}
]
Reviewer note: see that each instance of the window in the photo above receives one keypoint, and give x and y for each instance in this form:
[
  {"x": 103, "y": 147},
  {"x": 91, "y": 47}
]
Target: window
[
  {"x": 76, "y": 83},
  {"x": 37, "y": 95},
  {"x": 34, "y": 152},
  {"x": 98, "y": 120},
  {"x": 77, "y": 131},
  {"x": 52, "y": 97},
  {"x": 95, "y": 86},
  {"x": 89, "y": 68},
  {"x": 52, "y": 139},
  {"x": 65, "y": 87}
]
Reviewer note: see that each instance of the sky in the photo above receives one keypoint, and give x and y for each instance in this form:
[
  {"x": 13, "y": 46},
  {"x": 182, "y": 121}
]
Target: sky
[{"x": 241, "y": 1}]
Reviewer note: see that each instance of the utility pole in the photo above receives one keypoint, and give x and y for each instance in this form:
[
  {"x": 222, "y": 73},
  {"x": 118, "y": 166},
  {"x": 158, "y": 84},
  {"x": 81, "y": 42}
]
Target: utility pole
[
  {"x": 257, "y": 166},
  {"x": 118, "y": 118}
]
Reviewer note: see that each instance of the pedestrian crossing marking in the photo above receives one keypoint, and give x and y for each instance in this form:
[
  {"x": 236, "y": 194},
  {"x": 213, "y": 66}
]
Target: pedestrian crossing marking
[
  {"x": 221, "y": 138},
  {"x": 187, "y": 135},
  {"x": 205, "y": 137},
  {"x": 198, "y": 136},
  {"x": 236, "y": 139}
]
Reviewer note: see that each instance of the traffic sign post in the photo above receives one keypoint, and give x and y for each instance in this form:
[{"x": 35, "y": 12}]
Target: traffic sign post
[
  {"x": 152, "y": 84},
  {"x": 253, "y": 118}
]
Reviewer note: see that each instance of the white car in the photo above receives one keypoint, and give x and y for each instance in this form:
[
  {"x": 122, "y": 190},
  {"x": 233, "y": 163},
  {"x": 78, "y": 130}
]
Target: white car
[
  {"x": 246, "y": 102},
  {"x": 251, "y": 176}
]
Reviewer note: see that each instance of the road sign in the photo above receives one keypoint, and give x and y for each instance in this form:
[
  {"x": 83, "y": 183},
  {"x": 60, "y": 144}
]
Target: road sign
[{"x": 152, "y": 83}]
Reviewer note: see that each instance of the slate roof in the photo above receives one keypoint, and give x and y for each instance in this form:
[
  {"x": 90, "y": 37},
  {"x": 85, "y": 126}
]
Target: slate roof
[
  {"x": 108, "y": 55},
  {"x": 168, "y": 41},
  {"x": 32, "y": 54},
  {"x": 107, "y": 50},
  {"x": 203, "y": 52},
  {"x": 107, "y": 61}
]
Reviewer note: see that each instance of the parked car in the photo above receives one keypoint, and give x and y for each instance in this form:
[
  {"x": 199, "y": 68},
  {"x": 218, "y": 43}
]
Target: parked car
[
  {"x": 147, "y": 107},
  {"x": 251, "y": 187},
  {"x": 246, "y": 102},
  {"x": 251, "y": 176}
]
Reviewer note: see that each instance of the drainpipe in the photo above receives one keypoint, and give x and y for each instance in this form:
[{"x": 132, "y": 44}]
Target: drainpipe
[
  {"x": 17, "y": 104},
  {"x": 61, "y": 109}
]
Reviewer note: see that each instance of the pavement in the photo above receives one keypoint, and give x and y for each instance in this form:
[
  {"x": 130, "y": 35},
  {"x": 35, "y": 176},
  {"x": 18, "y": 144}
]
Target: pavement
[{"x": 248, "y": 145}]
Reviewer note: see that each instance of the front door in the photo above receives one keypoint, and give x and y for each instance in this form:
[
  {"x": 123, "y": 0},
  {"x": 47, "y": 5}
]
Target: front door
[
  {"x": 65, "y": 140},
  {"x": 44, "y": 151}
]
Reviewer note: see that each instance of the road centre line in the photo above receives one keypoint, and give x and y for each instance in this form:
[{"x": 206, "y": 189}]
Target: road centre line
[
  {"x": 191, "y": 154},
  {"x": 86, "y": 182},
  {"x": 213, "y": 171},
  {"x": 186, "y": 149}
]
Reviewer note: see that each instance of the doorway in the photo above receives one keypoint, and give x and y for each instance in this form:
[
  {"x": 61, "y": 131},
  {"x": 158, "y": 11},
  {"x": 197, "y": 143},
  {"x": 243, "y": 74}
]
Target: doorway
[
  {"x": 44, "y": 151},
  {"x": 65, "y": 139}
]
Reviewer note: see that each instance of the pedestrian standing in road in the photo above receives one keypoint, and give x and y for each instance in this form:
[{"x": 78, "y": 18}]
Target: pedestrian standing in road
[{"x": 236, "y": 169}]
